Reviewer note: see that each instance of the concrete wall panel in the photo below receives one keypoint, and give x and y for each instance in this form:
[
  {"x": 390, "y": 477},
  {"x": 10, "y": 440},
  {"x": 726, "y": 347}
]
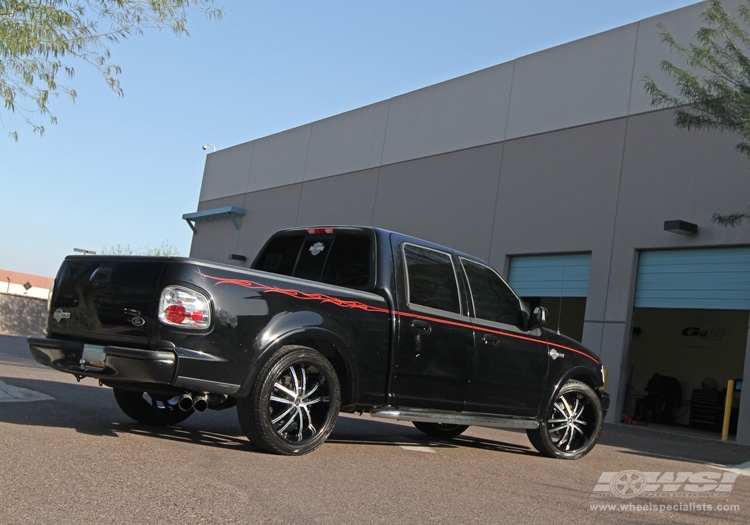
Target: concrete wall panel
[
  {"x": 217, "y": 237},
  {"x": 581, "y": 82},
  {"x": 348, "y": 142},
  {"x": 464, "y": 112},
  {"x": 267, "y": 212},
  {"x": 650, "y": 51},
  {"x": 279, "y": 159},
  {"x": 226, "y": 172},
  {"x": 449, "y": 199},
  {"x": 558, "y": 191},
  {"x": 344, "y": 199}
]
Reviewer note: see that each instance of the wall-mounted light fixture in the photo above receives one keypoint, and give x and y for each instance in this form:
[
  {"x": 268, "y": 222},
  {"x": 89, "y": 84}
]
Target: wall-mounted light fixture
[
  {"x": 680, "y": 227},
  {"x": 237, "y": 257}
]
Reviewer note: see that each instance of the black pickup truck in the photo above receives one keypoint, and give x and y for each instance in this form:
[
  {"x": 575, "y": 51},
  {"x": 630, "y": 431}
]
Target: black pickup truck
[{"x": 327, "y": 319}]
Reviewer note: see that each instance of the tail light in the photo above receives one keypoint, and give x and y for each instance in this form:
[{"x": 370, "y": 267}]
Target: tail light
[
  {"x": 184, "y": 308},
  {"x": 321, "y": 231}
]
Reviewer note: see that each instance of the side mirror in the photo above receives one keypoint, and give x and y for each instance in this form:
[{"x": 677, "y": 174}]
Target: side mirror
[{"x": 538, "y": 317}]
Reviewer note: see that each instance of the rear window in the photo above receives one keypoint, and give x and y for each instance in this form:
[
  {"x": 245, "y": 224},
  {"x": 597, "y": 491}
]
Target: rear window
[{"x": 342, "y": 259}]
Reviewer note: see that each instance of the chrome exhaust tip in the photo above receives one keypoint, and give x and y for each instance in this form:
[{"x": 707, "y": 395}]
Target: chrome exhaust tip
[
  {"x": 200, "y": 403},
  {"x": 186, "y": 402}
]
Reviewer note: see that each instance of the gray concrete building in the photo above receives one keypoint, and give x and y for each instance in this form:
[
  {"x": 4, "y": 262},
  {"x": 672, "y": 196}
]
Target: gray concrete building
[{"x": 556, "y": 169}]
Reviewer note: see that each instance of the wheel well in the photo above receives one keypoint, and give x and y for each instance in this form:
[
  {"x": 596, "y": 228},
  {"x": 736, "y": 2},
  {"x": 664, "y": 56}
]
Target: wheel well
[
  {"x": 585, "y": 378},
  {"x": 332, "y": 353}
]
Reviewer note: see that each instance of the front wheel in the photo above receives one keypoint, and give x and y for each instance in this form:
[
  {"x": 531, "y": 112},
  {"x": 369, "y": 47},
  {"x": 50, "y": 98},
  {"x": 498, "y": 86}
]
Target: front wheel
[
  {"x": 151, "y": 409},
  {"x": 295, "y": 403},
  {"x": 440, "y": 430},
  {"x": 572, "y": 423}
]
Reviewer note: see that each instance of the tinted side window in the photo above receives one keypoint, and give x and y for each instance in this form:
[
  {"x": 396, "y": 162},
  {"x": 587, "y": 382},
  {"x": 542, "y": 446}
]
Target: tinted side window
[
  {"x": 431, "y": 279},
  {"x": 493, "y": 299}
]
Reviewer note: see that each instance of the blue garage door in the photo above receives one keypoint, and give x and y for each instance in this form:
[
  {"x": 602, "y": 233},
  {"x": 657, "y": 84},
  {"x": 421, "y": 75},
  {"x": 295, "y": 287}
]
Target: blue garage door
[
  {"x": 565, "y": 275},
  {"x": 712, "y": 279}
]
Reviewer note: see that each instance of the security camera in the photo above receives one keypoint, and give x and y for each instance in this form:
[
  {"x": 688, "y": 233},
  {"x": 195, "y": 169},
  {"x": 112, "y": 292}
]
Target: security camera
[{"x": 205, "y": 146}]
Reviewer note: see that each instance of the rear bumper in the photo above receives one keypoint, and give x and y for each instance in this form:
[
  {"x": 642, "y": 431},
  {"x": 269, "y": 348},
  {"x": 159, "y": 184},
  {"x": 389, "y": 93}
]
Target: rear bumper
[
  {"x": 176, "y": 367},
  {"x": 119, "y": 363}
]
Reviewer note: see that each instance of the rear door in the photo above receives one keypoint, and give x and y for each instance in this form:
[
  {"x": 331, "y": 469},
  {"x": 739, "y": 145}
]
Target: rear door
[
  {"x": 510, "y": 364},
  {"x": 433, "y": 357}
]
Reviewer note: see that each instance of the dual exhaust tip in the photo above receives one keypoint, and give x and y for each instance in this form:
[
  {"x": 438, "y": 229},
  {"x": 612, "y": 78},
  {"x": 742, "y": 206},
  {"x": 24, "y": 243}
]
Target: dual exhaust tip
[{"x": 189, "y": 402}]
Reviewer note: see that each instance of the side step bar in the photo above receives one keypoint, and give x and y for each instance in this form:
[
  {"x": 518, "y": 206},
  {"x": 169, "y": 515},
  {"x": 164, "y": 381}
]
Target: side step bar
[{"x": 452, "y": 418}]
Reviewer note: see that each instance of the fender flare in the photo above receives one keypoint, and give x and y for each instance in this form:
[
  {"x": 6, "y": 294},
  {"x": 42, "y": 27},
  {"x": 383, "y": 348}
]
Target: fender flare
[{"x": 306, "y": 336}]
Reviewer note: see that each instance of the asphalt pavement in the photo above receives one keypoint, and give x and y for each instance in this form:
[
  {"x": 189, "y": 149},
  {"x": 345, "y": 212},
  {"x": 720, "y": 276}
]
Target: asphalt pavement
[{"x": 69, "y": 455}]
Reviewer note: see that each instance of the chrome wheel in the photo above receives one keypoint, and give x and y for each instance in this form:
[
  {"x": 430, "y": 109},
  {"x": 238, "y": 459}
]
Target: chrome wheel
[
  {"x": 295, "y": 402},
  {"x": 296, "y": 391},
  {"x": 573, "y": 423}
]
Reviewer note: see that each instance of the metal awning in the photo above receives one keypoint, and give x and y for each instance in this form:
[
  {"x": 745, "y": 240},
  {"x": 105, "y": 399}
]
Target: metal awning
[{"x": 232, "y": 212}]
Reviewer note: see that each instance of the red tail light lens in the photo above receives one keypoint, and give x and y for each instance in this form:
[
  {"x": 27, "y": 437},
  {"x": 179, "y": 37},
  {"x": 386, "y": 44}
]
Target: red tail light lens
[
  {"x": 321, "y": 231},
  {"x": 185, "y": 308}
]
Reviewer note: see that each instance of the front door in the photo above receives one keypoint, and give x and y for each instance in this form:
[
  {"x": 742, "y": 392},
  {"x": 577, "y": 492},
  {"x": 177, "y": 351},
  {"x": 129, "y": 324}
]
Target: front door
[{"x": 510, "y": 364}]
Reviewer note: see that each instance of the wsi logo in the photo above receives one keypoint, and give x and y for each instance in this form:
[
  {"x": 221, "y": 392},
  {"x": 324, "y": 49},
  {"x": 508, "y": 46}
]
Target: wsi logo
[{"x": 632, "y": 483}]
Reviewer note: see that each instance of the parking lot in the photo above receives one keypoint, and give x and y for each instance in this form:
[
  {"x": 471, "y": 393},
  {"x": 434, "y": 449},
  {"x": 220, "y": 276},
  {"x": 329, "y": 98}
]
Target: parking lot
[{"x": 72, "y": 456}]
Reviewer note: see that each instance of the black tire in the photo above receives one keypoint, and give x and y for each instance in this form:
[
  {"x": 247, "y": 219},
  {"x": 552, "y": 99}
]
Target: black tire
[
  {"x": 294, "y": 404},
  {"x": 440, "y": 430},
  {"x": 572, "y": 423},
  {"x": 151, "y": 409}
]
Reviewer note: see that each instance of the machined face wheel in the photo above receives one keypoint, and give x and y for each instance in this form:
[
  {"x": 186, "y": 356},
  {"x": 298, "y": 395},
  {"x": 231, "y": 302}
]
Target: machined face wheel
[
  {"x": 295, "y": 402},
  {"x": 573, "y": 423},
  {"x": 292, "y": 404}
]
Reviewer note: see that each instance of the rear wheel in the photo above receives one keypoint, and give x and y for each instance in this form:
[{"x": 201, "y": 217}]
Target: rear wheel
[
  {"x": 151, "y": 409},
  {"x": 440, "y": 430},
  {"x": 295, "y": 402},
  {"x": 572, "y": 424}
]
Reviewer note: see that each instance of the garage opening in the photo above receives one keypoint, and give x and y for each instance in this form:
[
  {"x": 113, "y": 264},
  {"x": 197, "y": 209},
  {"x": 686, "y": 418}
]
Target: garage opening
[
  {"x": 558, "y": 282},
  {"x": 690, "y": 327}
]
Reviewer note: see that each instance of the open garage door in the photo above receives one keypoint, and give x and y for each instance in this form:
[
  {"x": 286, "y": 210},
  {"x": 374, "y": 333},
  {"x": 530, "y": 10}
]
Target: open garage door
[
  {"x": 690, "y": 327},
  {"x": 558, "y": 282}
]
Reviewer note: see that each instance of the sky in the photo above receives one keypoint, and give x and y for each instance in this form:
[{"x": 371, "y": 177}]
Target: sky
[{"x": 121, "y": 171}]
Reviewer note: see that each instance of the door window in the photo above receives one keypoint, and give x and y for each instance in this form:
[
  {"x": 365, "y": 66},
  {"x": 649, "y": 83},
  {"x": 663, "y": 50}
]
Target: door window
[
  {"x": 431, "y": 279},
  {"x": 493, "y": 300}
]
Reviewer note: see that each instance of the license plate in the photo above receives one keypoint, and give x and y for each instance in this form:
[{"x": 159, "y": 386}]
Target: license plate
[{"x": 93, "y": 356}]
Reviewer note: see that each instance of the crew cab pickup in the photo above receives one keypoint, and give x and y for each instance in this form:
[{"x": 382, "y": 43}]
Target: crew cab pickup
[{"x": 326, "y": 320}]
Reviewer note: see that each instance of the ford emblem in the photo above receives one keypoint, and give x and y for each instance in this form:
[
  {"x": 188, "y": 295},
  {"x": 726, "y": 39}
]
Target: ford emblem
[{"x": 137, "y": 321}]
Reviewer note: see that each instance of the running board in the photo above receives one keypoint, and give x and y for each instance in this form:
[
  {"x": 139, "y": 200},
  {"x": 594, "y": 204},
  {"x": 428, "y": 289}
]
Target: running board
[{"x": 452, "y": 418}]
